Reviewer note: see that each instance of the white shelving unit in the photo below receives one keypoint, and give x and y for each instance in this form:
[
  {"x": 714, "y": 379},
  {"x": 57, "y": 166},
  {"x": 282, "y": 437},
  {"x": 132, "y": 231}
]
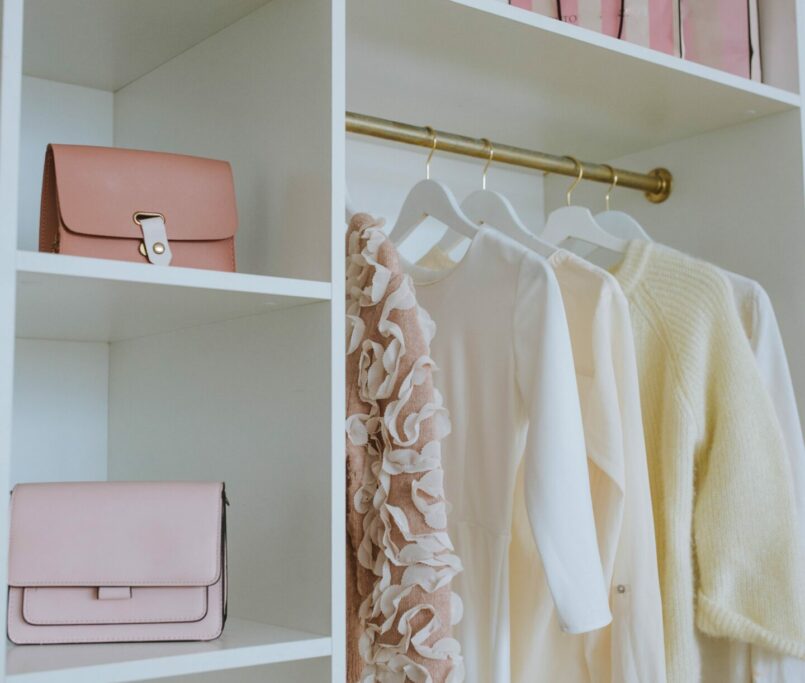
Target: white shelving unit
[
  {"x": 244, "y": 643},
  {"x": 101, "y": 300},
  {"x": 126, "y": 371}
]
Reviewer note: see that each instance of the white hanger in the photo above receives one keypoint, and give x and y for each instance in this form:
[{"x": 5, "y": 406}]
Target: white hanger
[
  {"x": 619, "y": 223},
  {"x": 487, "y": 207},
  {"x": 578, "y": 223},
  {"x": 430, "y": 198}
]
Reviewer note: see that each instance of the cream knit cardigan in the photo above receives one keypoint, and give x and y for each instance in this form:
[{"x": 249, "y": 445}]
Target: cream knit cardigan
[
  {"x": 720, "y": 478},
  {"x": 400, "y": 561}
]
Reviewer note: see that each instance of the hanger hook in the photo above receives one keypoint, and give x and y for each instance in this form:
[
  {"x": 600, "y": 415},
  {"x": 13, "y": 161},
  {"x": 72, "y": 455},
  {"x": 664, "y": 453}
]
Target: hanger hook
[
  {"x": 614, "y": 175},
  {"x": 579, "y": 178},
  {"x": 487, "y": 145},
  {"x": 433, "y": 140}
]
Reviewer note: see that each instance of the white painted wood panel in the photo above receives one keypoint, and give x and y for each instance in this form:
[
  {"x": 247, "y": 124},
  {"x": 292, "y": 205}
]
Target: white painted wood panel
[
  {"x": 10, "y": 77},
  {"x": 108, "y": 43},
  {"x": 257, "y": 94},
  {"x": 61, "y": 392},
  {"x": 243, "y": 643},
  {"x": 104, "y": 300},
  {"x": 309, "y": 671},
  {"x": 338, "y": 488},
  {"x": 60, "y": 113},
  {"x": 480, "y": 68},
  {"x": 247, "y": 402}
]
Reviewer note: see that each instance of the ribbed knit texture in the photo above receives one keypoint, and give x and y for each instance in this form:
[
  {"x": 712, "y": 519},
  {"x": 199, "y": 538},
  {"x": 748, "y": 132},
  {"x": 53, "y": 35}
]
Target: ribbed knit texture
[{"x": 720, "y": 478}]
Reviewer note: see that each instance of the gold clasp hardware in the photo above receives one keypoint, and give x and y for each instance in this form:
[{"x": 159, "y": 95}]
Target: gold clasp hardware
[{"x": 138, "y": 216}]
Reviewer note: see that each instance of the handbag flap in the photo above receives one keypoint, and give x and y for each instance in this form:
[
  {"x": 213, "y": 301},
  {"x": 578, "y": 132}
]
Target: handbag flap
[
  {"x": 80, "y": 605},
  {"x": 99, "y": 190},
  {"x": 115, "y": 534}
]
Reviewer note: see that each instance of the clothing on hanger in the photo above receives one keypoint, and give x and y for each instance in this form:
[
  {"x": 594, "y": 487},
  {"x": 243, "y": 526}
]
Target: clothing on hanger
[
  {"x": 719, "y": 471},
  {"x": 400, "y": 559},
  {"x": 631, "y": 648},
  {"x": 736, "y": 662},
  {"x": 732, "y": 661},
  {"x": 506, "y": 372}
]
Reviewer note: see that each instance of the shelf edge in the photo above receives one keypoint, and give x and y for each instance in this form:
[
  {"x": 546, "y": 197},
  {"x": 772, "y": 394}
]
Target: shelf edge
[
  {"x": 122, "y": 271},
  {"x": 538, "y": 21}
]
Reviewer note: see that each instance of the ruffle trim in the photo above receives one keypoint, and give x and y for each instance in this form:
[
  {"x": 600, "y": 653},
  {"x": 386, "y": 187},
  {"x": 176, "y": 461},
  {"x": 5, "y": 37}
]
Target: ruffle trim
[{"x": 428, "y": 558}]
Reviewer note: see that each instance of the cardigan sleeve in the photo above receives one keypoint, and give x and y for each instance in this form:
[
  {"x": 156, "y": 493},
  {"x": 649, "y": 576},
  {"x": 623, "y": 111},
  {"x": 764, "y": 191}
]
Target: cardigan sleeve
[
  {"x": 750, "y": 577},
  {"x": 556, "y": 478}
]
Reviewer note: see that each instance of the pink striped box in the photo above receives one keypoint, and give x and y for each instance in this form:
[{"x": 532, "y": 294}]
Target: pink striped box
[
  {"x": 649, "y": 23},
  {"x": 719, "y": 33}
]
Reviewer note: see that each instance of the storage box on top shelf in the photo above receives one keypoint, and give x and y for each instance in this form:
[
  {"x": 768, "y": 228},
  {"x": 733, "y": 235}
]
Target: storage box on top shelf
[{"x": 734, "y": 37}]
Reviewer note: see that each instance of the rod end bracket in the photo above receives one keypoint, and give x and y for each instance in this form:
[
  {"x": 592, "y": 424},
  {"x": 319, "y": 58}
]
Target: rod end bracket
[{"x": 664, "y": 191}]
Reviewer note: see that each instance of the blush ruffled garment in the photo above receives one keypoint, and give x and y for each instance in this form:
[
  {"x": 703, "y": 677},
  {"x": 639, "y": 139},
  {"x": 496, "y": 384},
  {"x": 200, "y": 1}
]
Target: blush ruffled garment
[{"x": 400, "y": 560}]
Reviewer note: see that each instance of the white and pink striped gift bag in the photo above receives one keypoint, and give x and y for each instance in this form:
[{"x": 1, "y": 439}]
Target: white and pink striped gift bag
[
  {"x": 723, "y": 34},
  {"x": 719, "y": 33},
  {"x": 650, "y": 23}
]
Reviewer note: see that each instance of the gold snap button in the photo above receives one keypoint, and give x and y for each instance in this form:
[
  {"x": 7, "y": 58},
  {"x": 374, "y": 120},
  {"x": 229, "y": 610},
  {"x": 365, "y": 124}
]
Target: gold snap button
[
  {"x": 142, "y": 249},
  {"x": 159, "y": 248},
  {"x": 621, "y": 588}
]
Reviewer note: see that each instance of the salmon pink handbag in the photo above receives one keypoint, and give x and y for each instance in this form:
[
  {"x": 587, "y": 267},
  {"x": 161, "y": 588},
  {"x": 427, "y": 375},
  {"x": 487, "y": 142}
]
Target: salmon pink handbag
[
  {"x": 117, "y": 562},
  {"x": 148, "y": 207}
]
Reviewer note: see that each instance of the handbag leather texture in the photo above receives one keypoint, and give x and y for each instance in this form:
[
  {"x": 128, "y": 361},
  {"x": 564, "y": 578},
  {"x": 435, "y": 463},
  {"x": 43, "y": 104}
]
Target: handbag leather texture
[
  {"x": 117, "y": 562},
  {"x": 96, "y": 202}
]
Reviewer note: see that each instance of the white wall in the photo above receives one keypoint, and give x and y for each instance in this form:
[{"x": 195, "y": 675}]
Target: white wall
[
  {"x": 60, "y": 411},
  {"x": 60, "y": 113}
]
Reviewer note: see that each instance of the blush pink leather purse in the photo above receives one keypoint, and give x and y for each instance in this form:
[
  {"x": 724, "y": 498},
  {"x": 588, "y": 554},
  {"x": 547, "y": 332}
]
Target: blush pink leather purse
[
  {"x": 125, "y": 204},
  {"x": 117, "y": 562}
]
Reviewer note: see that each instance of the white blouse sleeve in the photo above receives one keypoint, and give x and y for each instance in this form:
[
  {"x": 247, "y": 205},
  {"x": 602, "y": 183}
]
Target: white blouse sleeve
[
  {"x": 556, "y": 478},
  {"x": 767, "y": 344}
]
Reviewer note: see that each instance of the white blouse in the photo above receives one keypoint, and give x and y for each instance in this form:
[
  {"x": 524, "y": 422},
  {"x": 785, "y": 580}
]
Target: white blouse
[
  {"x": 631, "y": 649},
  {"x": 506, "y": 373}
]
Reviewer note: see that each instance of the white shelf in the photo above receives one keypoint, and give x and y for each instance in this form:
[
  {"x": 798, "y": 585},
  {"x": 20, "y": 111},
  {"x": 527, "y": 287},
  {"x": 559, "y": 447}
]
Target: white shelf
[
  {"x": 106, "y": 45},
  {"x": 243, "y": 643},
  {"x": 660, "y": 59},
  {"x": 546, "y": 84},
  {"x": 85, "y": 299}
]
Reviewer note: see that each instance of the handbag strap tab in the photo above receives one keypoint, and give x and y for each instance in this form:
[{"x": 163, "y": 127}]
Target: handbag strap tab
[
  {"x": 114, "y": 593},
  {"x": 155, "y": 239}
]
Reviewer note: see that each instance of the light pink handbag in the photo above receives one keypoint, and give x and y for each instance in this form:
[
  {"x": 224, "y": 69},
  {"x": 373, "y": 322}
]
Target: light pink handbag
[
  {"x": 130, "y": 205},
  {"x": 117, "y": 562}
]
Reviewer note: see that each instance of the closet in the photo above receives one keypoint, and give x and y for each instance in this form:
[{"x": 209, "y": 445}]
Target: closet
[{"x": 121, "y": 371}]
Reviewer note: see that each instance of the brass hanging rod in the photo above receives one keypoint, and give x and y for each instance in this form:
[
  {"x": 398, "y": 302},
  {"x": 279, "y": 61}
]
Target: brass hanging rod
[{"x": 656, "y": 184}]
